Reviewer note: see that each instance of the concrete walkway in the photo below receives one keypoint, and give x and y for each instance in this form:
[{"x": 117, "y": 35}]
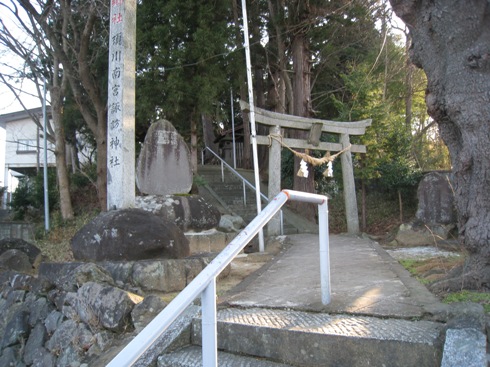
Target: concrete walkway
[
  {"x": 378, "y": 315},
  {"x": 365, "y": 280}
]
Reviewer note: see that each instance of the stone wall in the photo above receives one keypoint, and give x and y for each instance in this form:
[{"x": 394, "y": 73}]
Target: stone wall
[
  {"x": 82, "y": 314},
  {"x": 24, "y": 231}
]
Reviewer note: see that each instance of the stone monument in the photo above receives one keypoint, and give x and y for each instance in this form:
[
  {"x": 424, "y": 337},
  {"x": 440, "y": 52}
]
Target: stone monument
[
  {"x": 120, "y": 105},
  {"x": 436, "y": 199},
  {"x": 164, "y": 166},
  {"x": 436, "y": 218}
]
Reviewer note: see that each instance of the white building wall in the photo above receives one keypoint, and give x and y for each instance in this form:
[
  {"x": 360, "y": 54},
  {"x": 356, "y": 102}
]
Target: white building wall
[
  {"x": 24, "y": 145},
  {"x": 3, "y": 182}
]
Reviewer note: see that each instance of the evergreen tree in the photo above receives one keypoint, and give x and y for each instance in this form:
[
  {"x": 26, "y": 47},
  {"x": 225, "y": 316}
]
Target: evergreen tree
[{"x": 181, "y": 62}]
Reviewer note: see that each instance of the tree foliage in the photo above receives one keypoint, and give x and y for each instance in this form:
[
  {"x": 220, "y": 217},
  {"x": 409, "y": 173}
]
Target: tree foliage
[
  {"x": 332, "y": 60},
  {"x": 181, "y": 60}
]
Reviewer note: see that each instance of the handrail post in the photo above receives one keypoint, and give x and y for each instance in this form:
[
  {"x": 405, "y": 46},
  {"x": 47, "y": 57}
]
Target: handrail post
[
  {"x": 281, "y": 216},
  {"x": 244, "y": 194},
  {"x": 324, "y": 252},
  {"x": 222, "y": 172},
  {"x": 209, "y": 326},
  {"x": 204, "y": 284}
]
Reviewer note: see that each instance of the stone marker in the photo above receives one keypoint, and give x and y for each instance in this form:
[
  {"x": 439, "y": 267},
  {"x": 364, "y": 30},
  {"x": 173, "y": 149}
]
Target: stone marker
[
  {"x": 436, "y": 199},
  {"x": 164, "y": 162},
  {"x": 121, "y": 105}
]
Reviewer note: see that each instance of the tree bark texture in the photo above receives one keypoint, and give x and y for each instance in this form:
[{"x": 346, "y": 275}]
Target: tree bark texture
[
  {"x": 451, "y": 43},
  {"x": 57, "y": 94},
  {"x": 194, "y": 154},
  {"x": 302, "y": 107}
]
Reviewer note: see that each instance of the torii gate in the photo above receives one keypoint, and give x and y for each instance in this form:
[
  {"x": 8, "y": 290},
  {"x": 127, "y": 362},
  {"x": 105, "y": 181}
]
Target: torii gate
[{"x": 276, "y": 121}]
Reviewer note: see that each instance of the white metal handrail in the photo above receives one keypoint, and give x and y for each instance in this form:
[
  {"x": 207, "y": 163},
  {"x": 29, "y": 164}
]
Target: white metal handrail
[
  {"x": 235, "y": 172},
  {"x": 245, "y": 182},
  {"x": 205, "y": 284}
]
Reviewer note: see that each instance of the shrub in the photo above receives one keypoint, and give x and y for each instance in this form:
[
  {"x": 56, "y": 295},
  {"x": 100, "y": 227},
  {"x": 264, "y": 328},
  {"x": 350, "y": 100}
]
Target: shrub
[{"x": 28, "y": 199}]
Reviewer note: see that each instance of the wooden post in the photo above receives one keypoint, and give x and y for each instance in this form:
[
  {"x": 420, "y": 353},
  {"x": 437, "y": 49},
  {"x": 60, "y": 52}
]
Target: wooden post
[
  {"x": 350, "y": 199},
  {"x": 274, "y": 227},
  {"x": 121, "y": 106}
]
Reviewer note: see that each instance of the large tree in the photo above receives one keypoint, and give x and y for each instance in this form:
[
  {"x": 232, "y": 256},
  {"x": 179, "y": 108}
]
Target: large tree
[
  {"x": 451, "y": 43},
  {"x": 77, "y": 33},
  {"x": 181, "y": 63},
  {"x": 311, "y": 43},
  {"x": 41, "y": 64}
]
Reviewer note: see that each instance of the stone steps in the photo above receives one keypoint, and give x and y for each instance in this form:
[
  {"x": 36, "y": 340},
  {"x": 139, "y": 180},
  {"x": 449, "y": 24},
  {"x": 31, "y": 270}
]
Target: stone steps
[
  {"x": 318, "y": 339},
  {"x": 229, "y": 196},
  {"x": 191, "y": 357}
]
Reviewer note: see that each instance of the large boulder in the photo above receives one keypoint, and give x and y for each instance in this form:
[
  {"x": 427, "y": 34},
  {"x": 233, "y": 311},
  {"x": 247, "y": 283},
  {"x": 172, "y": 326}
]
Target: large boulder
[
  {"x": 129, "y": 234},
  {"x": 417, "y": 234},
  {"x": 105, "y": 306},
  {"x": 145, "y": 311},
  {"x": 188, "y": 212},
  {"x": 15, "y": 260},
  {"x": 32, "y": 252}
]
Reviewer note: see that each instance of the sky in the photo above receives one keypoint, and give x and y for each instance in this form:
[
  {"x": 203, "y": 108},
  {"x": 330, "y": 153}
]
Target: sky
[
  {"x": 9, "y": 62},
  {"x": 8, "y": 102}
]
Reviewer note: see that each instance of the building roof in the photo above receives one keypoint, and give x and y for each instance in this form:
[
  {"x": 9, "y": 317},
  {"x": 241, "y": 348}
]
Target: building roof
[{"x": 23, "y": 114}]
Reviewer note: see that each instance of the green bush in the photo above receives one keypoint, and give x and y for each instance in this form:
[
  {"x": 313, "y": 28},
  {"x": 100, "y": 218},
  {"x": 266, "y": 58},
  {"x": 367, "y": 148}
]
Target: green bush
[{"x": 28, "y": 199}]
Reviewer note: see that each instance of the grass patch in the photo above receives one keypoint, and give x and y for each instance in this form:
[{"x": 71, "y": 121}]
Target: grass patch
[
  {"x": 411, "y": 265},
  {"x": 430, "y": 270},
  {"x": 55, "y": 245},
  {"x": 414, "y": 268},
  {"x": 482, "y": 298}
]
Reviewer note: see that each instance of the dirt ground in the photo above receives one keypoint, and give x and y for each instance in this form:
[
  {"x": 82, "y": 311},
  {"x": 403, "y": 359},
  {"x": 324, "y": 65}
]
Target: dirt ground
[{"x": 241, "y": 267}]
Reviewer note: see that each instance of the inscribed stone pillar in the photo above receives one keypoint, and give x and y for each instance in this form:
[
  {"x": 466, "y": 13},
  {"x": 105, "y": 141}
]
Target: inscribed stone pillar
[
  {"x": 350, "y": 199},
  {"x": 121, "y": 101},
  {"x": 274, "y": 226}
]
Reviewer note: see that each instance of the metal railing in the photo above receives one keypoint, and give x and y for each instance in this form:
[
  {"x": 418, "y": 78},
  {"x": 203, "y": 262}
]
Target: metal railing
[
  {"x": 205, "y": 284},
  {"x": 245, "y": 182}
]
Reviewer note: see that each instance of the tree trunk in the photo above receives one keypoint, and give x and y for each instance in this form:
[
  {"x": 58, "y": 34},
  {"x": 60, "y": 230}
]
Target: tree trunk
[
  {"x": 66, "y": 207},
  {"x": 451, "y": 44},
  {"x": 208, "y": 137},
  {"x": 57, "y": 96},
  {"x": 194, "y": 143},
  {"x": 278, "y": 69},
  {"x": 408, "y": 87},
  {"x": 302, "y": 107},
  {"x": 400, "y": 204},
  {"x": 76, "y": 54},
  {"x": 59, "y": 88}
]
